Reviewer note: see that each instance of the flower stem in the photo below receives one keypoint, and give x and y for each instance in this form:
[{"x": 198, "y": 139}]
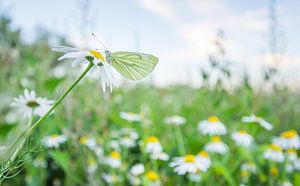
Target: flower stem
[{"x": 179, "y": 140}]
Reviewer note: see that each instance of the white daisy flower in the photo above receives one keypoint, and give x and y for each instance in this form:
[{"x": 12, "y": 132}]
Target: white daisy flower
[
  {"x": 254, "y": 119},
  {"x": 249, "y": 166},
  {"x": 296, "y": 164},
  {"x": 203, "y": 161},
  {"x": 291, "y": 155},
  {"x": 88, "y": 141},
  {"x": 137, "y": 169},
  {"x": 160, "y": 156},
  {"x": 286, "y": 183},
  {"x": 130, "y": 116},
  {"x": 288, "y": 140},
  {"x": 216, "y": 146},
  {"x": 29, "y": 104},
  {"x": 185, "y": 164},
  {"x": 134, "y": 180},
  {"x": 152, "y": 178},
  {"x": 242, "y": 138},
  {"x": 101, "y": 70},
  {"x": 91, "y": 166},
  {"x": 114, "y": 160},
  {"x": 54, "y": 140},
  {"x": 274, "y": 153},
  {"x": 153, "y": 145},
  {"x": 128, "y": 137},
  {"x": 114, "y": 144},
  {"x": 111, "y": 178},
  {"x": 212, "y": 126},
  {"x": 175, "y": 120}
]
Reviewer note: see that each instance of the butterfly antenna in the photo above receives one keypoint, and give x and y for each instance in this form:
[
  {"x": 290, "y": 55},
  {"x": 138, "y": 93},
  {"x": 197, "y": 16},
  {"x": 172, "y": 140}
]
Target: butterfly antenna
[{"x": 99, "y": 41}]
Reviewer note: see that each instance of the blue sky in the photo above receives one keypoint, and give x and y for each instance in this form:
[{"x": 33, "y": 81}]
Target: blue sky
[{"x": 179, "y": 32}]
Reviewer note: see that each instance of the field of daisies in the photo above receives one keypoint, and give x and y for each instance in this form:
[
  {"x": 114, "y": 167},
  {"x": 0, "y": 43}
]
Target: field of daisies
[{"x": 136, "y": 134}]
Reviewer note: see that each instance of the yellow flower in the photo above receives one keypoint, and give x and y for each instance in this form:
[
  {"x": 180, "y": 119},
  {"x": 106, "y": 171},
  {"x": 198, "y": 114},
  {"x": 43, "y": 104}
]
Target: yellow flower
[{"x": 152, "y": 176}]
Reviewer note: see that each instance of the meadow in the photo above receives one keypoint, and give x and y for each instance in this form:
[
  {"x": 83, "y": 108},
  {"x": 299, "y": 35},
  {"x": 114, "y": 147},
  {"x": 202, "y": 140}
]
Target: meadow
[{"x": 129, "y": 137}]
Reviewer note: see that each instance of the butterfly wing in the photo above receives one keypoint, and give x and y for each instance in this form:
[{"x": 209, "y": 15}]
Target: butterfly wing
[{"x": 133, "y": 65}]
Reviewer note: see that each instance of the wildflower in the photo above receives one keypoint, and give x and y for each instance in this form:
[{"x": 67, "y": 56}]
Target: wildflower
[
  {"x": 29, "y": 104},
  {"x": 242, "y": 138},
  {"x": 254, "y": 119},
  {"x": 274, "y": 153},
  {"x": 135, "y": 180},
  {"x": 291, "y": 155},
  {"x": 101, "y": 70},
  {"x": 88, "y": 141},
  {"x": 153, "y": 145},
  {"x": 91, "y": 166},
  {"x": 212, "y": 126},
  {"x": 175, "y": 120},
  {"x": 54, "y": 140},
  {"x": 203, "y": 161},
  {"x": 274, "y": 171},
  {"x": 159, "y": 156},
  {"x": 249, "y": 166},
  {"x": 153, "y": 178},
  {"x": 39, "y": 162},
  {"x": 114, "y": 159},
  {"x": 128, "y": 137},
  {"x": 288, "y": 140},
  {"x": 137, "y": 169},
  {"x": 286, "y": 183},
  {"x": 216, "y": 146},
  {"x": 130, "y": 116},
  {"x": 185, "y": 164},
  {"x": 194, "y": 177},
  {"x": 111, "y": 178}
]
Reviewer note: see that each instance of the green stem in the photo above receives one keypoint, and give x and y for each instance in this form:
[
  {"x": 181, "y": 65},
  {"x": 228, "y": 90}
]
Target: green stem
[
  {"x": 38, "y": 123},
  {"x": 180, "y": 140}
]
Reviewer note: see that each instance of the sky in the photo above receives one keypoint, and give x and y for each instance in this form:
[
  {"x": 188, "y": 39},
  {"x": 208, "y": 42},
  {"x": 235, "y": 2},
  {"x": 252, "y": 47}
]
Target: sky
[{"x": 179, "y": 32}]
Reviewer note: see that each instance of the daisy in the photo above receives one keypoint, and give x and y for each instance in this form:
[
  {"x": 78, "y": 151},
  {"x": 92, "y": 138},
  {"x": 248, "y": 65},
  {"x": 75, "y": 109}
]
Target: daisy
[
  {"x": 212, "y": 126},
  {"x": 160, "y": 156},
  {"x": 128, "y": 137},
  {"x": 152, "y": 178},
  {"x": 286, "y": 183},
  {"x": 134, "y": 180},
  {"x": 203, "y": 161},
  {"x": 249, "y": 166},
  {"x": 54, "y": 140},
  {"x": 242, "y": 138},
  {"x": 274, "y": 153},
  {"x": 114, "y": 159},
  {"x": 88, "y": 141},
  {"x": 130, "y": 116},
  {"x": 153, "y": 145},
  {"x": 111, "y": 179},
  {"x": 254, "y": 119},
  {"x": 101, "y": 70},
  {"x": 137, "y": 169},
  {"x": 288, "y": 140},
  {"x": 29, "y": 104},
  {"x": 216, "y": 146},
  {"x": 175, "y": 120},
  {"x": 91, "y": 166},
  {"x": 185, "y": 164}
]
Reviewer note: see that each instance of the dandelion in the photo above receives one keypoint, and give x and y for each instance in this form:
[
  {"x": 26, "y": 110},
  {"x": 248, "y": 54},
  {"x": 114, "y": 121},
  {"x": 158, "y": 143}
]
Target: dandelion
[
  {"x": 130, "y": 116},
  {"x": 203, "y": 161},
  {"x": 54, "y": 140},
  {"x": 185, "y": 164},
  {"x": 242, "y": 138},
  {"x": 152, "y": 178},
  {"x": 114, "y": 160},
  {"x": 274, "y": 153},
  {"x": 175, "y": 120},
  {"x": 88, "y": 141},
  {"x": 153, "y": 145},
  {"x": 288, "y": 140},
  {"x": 101, "y": 70},
  {"x": 216, "y": 145},
  {"x": 212, "y": 126},
  {"x": 29, "y": 104},
  {"x": 254, "y": 119},
  {"x": 137, "y": 169}
]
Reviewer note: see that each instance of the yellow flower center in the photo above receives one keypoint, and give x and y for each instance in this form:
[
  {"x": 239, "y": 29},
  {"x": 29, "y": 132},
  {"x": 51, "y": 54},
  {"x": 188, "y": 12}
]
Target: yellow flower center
[
  {"x": 54, "y": 136},
  {"x": 216, "y": 139},
  {"x": 32, "y": 104},
  {"x": 83, "y": 140},
  {"x": 203, "y": 154},
  {"x": 275, "y": 147},
  {"x": 152, "y": 139},
  {"x": 245, "y": 173},
  {"x": 115, "y": 155},
  {"x": 97, "y": 55},
  {"x": 274, "y": 171},
  {"x": 189, "y": 158},
  {"x": 243, "y": 132},
  {"x": 291, "y": 151},
  {"x": 213, "y": 119},
  {"x": 152, "y": 176},
  {"x": 289, "y": 134}
]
